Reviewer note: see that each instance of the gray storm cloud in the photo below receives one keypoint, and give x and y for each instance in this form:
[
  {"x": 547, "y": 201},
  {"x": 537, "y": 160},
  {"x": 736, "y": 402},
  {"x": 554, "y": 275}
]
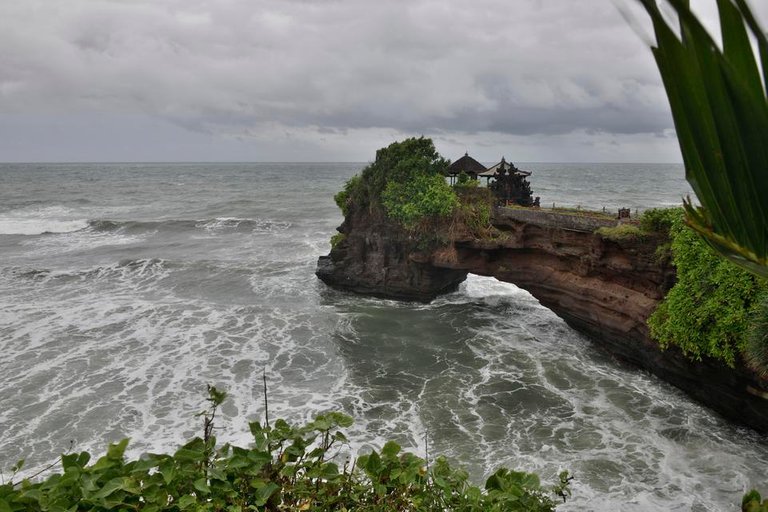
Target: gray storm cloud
[{"x": 234, "y": 66}]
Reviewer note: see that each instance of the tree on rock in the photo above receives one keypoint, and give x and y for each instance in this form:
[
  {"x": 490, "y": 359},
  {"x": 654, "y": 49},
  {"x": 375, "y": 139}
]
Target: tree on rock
[{"x": 406, "y": 182}]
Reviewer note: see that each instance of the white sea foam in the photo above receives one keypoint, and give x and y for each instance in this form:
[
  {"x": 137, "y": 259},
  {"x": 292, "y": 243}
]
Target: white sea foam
[
  {"x": 39, "y": 220},
  {"x": 103, "y": 342},
  {"x": 79, "y": 240},
  {"x": 484, "y": 287},
  {"x": 13, "y": 225},
  {"x": 235, "y": 223}
]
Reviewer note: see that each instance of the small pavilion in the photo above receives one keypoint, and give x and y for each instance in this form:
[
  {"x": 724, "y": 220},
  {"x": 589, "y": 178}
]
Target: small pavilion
[
  {"x": 466, "y": 165},
  {"x": 503, "y": 167}
]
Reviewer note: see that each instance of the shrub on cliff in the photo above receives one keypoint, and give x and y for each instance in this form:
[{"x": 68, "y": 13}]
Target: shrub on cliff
[
  {"x": 352, "y": 191},
  {"x": 756, "y": 350},
  {"x": 709, "y": 311},
  {"x": 473, "y": 216},
  {"x": 421, "y": 197},
  {"x": 652, "y": 222},
  {"x": 659, "y": 220},
  {"x": 621, "y": 232},
  {"x": 406, "y": 182}
]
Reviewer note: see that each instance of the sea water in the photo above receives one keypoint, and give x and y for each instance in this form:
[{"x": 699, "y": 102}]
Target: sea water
[{"x": 126, "y": 288}]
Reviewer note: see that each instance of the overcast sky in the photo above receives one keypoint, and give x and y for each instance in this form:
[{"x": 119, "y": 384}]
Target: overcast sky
[{"x": 329, "y": 80}]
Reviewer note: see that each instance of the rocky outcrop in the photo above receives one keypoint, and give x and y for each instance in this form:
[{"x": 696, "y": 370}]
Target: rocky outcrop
[
  {"x": 376, "y": 258},
  {"x": 605, "y": 288}
]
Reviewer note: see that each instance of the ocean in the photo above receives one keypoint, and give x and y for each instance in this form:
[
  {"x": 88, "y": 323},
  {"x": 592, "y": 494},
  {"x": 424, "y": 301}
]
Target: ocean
[{"x": 126, "y": 288}]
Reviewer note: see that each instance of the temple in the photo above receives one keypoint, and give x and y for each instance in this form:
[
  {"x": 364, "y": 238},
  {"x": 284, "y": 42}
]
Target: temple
[
  {"x": 465, "y": 165},
  {"x": 508, "y": 183}
]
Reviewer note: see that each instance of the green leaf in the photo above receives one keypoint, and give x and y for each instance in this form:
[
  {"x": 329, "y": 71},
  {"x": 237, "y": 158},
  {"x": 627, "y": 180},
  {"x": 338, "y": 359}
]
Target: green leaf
[
  {"x": 108, "y": 488},
  {"x": 187, "y": 454},
  {"x": 215, "y": 396},
  {"x": 321, "y": 423},
  {"x": 391, "y": 449},
  {"x": 69, "y": 461},
  {"x": 373, "y": 464},
  {"x": 259, "y": 457},
  {"x": 216, "y": 473},
  {"x": 329, "y": 471},
  {"x": 265, "y": 492},
  {"x": 116, "y": 451},
  {"x": 168, "y": 470},
  {"x": 143, "y": 465},
  {"x": 187, "y": 501},
  {"x": 195, "y": 445},
  {"x": 341, "y": 420},
  {"x": 201, "y": 484},
  {"x": 34, "y": 494}
]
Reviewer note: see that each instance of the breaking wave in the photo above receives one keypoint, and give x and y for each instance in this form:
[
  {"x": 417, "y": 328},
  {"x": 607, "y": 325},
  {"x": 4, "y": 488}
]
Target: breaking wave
[
  {"x": 39, "y": 226},
  {"x": 219, "y": 224}
]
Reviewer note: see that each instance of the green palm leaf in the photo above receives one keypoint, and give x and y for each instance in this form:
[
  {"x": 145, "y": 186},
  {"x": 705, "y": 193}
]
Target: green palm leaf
[{"x": 719, "y": 106}]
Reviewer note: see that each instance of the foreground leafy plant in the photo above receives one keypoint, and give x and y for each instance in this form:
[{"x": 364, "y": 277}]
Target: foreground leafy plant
[
  {"x": 720, "y": 110},
  {"x": 287, "y": 468},
  {"x": 753, "y": 502}
]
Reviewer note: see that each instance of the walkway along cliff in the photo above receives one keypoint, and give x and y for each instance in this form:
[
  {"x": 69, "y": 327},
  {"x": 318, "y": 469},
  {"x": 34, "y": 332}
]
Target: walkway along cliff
[{"x": 603, "y": 287}]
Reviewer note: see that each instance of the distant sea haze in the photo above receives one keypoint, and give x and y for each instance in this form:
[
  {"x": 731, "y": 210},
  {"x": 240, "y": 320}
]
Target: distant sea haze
[{"x": 125, "y": 288}]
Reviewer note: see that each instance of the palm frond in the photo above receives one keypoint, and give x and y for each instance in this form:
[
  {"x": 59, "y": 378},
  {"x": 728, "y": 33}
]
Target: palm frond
[{"x": 719, "y": 106}]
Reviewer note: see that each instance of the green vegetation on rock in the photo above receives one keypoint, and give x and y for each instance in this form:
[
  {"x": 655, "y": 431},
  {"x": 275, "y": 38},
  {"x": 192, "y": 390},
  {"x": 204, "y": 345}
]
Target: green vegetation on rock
[
  {"x": 621, "y": 232},
  {"x": 659, "y": 220},
  {"x": 652, "y": 222},
  {"x": 474, "y": 211},
  {"x": 406, "y": 182},
  {"x": 756, "y": 351},
  {"x": 709, "y": 311},
  {"x": 352, "y": 191},
  {"x": 421, "y": 197},
  {"x": 337, "y": 239},
  {"x": 286, "y": 468}
]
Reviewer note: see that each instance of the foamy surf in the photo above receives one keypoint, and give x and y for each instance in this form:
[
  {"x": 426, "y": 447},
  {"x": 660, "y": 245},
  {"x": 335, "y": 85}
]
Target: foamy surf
[
  {"x": 113, "y": 331},
  {"x": 17, "y": 226},
  {"x": 41, "y": 220}
]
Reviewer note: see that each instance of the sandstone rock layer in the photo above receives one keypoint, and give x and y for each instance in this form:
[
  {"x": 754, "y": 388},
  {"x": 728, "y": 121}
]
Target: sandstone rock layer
[{"x": 604, "y": 288}]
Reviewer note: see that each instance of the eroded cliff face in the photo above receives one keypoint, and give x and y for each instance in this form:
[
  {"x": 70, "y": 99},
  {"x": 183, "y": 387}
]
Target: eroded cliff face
[
  {"x": 604, "y": 288},
  {"x": 376, "y": 258}
]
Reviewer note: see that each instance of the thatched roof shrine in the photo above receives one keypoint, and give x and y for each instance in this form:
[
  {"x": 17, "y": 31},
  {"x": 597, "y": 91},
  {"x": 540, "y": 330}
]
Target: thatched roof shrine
[{"x": 467, "y": 165}]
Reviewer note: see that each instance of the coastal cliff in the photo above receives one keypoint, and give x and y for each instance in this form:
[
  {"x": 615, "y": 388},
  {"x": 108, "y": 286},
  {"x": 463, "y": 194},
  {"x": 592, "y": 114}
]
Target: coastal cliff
[{"x": 605, "y": 287}]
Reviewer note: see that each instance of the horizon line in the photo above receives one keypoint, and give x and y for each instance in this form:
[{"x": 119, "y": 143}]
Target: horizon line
[{"x": 53, "y": 162}]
